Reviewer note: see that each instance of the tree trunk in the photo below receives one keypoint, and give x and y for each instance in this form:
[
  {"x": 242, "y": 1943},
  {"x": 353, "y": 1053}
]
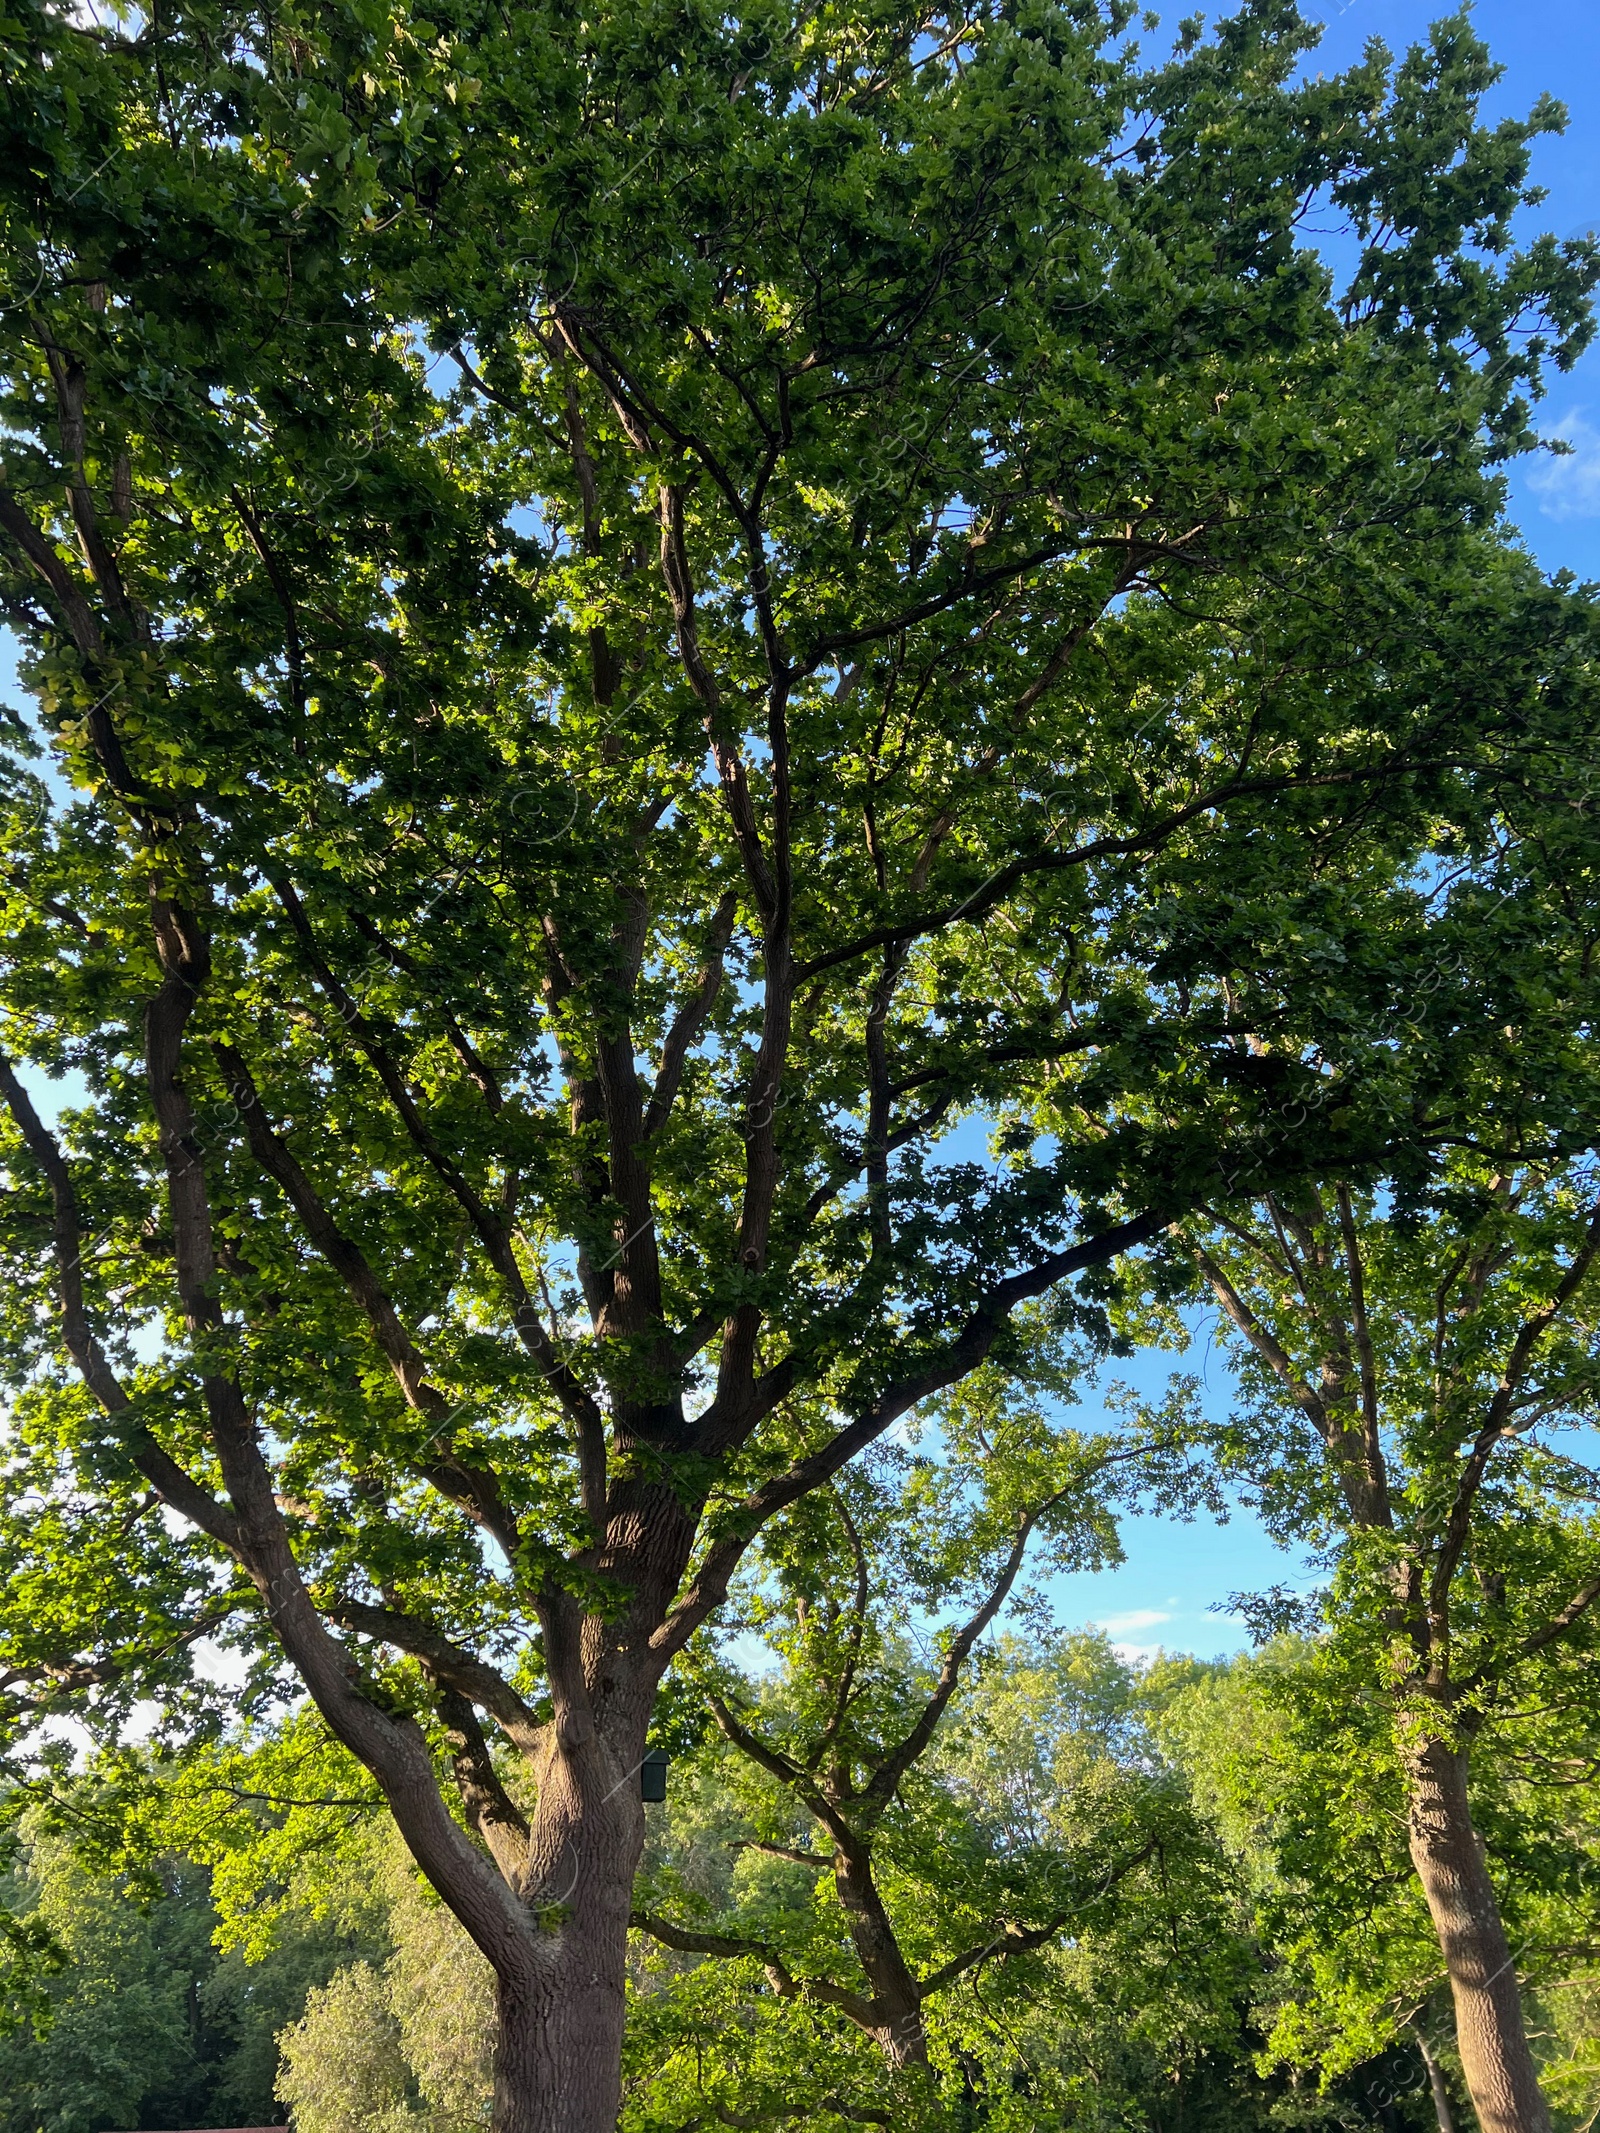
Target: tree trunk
[
  {"x": 558, "y": 2054},
  {"x": 896, "y": 2001},
  {"x": 1449, "y": 1860},
  {"x": 558, "y": 2059},
  {"x": 1436, "y": 2083}
]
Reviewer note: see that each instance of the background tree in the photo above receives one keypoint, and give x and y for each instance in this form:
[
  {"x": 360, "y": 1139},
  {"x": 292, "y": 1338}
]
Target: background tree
[
  {"x": 1144, "y": 2012},
  {"x": 1149, "y": 2008},
  {"x": 943, "y": 1535},
  {"x": 408, "y": 2042},
  {"x": 1152, "y": 2009},
  {"x": 1351, "y": 1982},
  {"x": 627, "y": 648},
  {"x": 143, "y": 2021},
  {"x": 1416, "y": 1382}
]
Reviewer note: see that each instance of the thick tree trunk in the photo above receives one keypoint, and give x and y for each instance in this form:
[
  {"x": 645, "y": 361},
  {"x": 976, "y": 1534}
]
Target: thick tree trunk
[
  {"x": 558, "y": 2061},
  {"x": 558, "y": 2056},
  {"x": 1449, "y": 1860}
]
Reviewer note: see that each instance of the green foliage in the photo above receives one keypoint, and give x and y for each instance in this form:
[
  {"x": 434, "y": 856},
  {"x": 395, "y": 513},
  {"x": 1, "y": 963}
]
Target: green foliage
[
  {"x": 1145, "y": 2011},
  {"x": 1418, "y": 1386},
  {"x": 348, "y": 1985},
  {"x": 343, "y": 2069},
  {"x": 282, "y": 1816},
  {"x": 405, "y": 2045},
  {"x": 1307, "y": 1797},
  {"x": 142, "y": 2021},
  {"x": 1004, "y": 1810}
]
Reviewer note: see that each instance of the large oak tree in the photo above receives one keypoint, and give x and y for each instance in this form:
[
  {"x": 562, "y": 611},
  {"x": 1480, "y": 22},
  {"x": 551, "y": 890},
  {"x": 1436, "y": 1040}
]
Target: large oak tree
[{"x": 648, "y": 622}]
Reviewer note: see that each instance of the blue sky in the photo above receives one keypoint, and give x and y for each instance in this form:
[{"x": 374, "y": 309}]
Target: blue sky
[{"x": 1175, "y": 1574}]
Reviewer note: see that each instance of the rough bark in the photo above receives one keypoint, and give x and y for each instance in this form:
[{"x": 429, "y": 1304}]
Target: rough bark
[
  {"x": 896, "y": 1996},
  {"x": 559, "y": 2049},
  {"x": 1449, "y": 1859}
]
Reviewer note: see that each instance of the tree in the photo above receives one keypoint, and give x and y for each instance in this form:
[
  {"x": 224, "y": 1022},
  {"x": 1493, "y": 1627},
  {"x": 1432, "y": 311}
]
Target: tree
[
  {"x": 1142, "y": 2013},
  {"x": 1409, "y": 1373},
  {"x": 1308, "y": 1799},
  {"x": 407, "y": 2044},
  {"x": 629, "y": 649},
  {"x": 858, "y": 1716},
  {"x": 142, "y": 2020},
  {"x": 343, "y": 2067},
  {"x": 1149, "y": 2008}
]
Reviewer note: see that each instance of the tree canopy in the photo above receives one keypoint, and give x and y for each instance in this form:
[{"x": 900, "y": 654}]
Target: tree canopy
[{"x": 649, "y": 624}]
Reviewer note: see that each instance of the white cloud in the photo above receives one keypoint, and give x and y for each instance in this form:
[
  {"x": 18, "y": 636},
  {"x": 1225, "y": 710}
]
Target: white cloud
[
  {"x": 1135, "y": 1618},
  {"x": 1117, "y": 1628},
  {"x": 1569, "y": 487}
]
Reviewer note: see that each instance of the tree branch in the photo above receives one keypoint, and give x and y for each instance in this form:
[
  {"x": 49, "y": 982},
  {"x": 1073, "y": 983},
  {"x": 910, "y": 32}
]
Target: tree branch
[
  {"x": 885, "y": 1781},
  {"x": 793, "y": 1776},
  {"x": 278, "y": 578},
  {"x": 275, "y": 1157},
  {"x": 1558, "y": 1625},
  {"x": 393, "y": 1749},
  {"x": 71, "y": 1676},
  {"x": 789, "y": 1852},
  {"x": 730, "y": 765},
  {"x": 74, "y": 607},
  {"x": 847, "y": 1673},
  {"x": 875, "y": 1141},
  {"x": 479, "y": 1072},
  {"x": 1004, "y": 879},
  {"x": 690, "y": 1019},
  {"x": 1266, "y": 1345},
  {"x": 964, "y": 1352},
  {"x": 1377, "y": 1468},
  {"x": 498, "y": 1821},
  {"x": 163, "y": 1472},
  {"x": 1012, "y": 1939},
  {"x": 473, "y": 1487},
  {"x": 784, "y": 1983},
  {"x": 523, "y": 407},
  {"x": 1523, "y": 1349},
  {"x": 68, "y": 376},
  {"x": 1008, "y": 1940},
  {"x": 967, "y": 583},
  {"x": 458, "y": 1669},
  {"x": 492, "y": 1232},
  {"x": 252, "y": 1531}
]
